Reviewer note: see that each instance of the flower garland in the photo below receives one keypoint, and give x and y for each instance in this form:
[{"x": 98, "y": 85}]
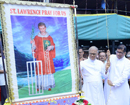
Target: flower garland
[{"x": 81, "y": 101}]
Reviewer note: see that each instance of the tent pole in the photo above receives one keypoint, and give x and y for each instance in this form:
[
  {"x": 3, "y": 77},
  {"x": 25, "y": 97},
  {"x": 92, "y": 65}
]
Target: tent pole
[
  {"x": 116, "y": 7},
  {"x": 126, "y": 8},
  {"x": 77, "y": 45},
  {"x": 106, "y": 24},
  {"x": 96, "y": 7},
  {"x": 113, "y": 46},
  {"x": 86, "y": 8}
]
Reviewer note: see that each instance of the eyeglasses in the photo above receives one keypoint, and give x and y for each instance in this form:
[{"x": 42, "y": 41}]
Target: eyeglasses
[
  {"x": 80, "y": 52},
  {"x": 92, "y": 54},
  {"x": 128, "y": 56},
  {"x": 119, "y": 52}
]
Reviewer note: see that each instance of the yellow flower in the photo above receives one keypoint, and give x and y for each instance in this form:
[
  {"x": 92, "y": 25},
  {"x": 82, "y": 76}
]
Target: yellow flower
[{"x": 82, "y": 96}]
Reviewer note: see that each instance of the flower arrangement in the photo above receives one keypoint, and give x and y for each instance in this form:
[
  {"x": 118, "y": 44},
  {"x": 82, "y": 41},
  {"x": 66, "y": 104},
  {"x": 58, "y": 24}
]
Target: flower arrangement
[{"x": 81, "y": 101}]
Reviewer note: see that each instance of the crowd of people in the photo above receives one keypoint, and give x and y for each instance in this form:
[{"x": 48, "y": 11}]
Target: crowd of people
[{"x": 112, "y": 69}]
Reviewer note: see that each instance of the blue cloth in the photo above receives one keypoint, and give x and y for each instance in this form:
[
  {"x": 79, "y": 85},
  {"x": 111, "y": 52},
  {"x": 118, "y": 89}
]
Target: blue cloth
[{"x": 93, "y": 27}]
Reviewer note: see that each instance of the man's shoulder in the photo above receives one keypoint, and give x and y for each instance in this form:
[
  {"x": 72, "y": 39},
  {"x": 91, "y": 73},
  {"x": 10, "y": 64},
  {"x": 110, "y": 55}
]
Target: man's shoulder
[
  {"x": 99, "y": 62},
  {"x": 50, "y": 37},
  {"x": 113, "y": 56},
  {"x": 36, "y": 36},
  {"x": 127, "y": 60},
  {"x": 84, "y": 61}
]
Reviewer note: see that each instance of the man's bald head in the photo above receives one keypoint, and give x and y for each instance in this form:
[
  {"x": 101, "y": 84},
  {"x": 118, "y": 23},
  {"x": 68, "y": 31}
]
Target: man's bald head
[
  {"x": 93, "y": 48},
  {"x": 93, "y": 52}
]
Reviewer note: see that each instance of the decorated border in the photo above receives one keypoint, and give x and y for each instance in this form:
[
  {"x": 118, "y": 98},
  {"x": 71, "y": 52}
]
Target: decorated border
[
  {"x": 6, "y": 50},
  {"x": 6, "y": 40},
  {"x": 75, "y": 54},
  {"x": 55, "y": 100}
]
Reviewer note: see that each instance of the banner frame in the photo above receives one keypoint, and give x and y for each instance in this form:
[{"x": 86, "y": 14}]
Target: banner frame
[{"x": 6, "y": 44}]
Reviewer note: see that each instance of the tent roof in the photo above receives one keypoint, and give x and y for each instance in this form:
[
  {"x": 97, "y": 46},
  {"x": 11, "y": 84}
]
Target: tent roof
[{"x": 101, "y": 26}]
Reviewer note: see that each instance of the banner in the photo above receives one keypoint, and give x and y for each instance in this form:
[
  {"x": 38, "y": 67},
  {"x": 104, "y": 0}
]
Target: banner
[{"x": 40, "y": 50}]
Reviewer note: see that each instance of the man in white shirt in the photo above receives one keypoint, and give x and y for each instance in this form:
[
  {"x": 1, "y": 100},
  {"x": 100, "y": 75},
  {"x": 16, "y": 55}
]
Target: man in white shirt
[
  {"x": 92, "y": 69},
  {"x": 103, "y": 58},
  {"x": 2, "y": 83},
  {"x": 116, "y": 89}
]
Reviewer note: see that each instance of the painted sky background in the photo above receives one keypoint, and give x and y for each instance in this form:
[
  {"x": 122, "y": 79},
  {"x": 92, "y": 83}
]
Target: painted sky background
[
  {"x": 56, "y": 27},
  {"x": 21, "y": 31}
]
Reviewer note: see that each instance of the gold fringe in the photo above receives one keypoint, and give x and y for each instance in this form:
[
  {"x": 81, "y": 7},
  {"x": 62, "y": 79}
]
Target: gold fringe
[
  {"x": 74, "y": 53},
  {"x": 6, "y": 51}
]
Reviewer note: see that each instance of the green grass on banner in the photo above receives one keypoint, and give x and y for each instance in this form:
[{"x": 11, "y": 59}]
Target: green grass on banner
[{"x": 63, "y": 84}]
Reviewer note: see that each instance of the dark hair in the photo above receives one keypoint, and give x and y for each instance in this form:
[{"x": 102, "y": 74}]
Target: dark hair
[
  {"x": 41, "y": 24},
  {"x": 81, "y": 48},
  {"x": 122, "y": 47}
]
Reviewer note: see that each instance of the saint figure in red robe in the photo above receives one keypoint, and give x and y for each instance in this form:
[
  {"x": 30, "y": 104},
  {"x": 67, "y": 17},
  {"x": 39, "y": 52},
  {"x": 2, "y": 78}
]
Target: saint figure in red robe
[{"x": 44, "y": 52}]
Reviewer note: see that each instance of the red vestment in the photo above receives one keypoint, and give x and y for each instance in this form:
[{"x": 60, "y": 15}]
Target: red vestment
[{"x": 41, "y": 54}]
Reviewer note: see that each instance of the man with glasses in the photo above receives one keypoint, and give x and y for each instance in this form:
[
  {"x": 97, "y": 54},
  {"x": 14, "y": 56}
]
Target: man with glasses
[
  {"x": 116, "y": 89},
  {"x": 92, "y": 70}
]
